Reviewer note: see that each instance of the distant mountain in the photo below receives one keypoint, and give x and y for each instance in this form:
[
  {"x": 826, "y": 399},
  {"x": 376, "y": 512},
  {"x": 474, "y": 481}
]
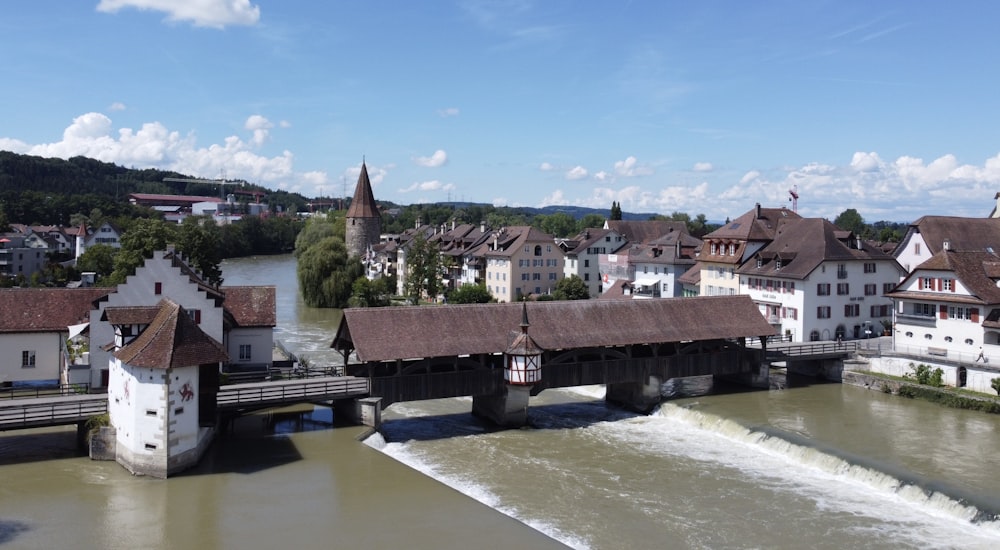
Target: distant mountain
[{"x": 576, "y": 212}]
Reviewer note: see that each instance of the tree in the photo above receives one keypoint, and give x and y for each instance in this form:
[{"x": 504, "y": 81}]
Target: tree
[
  {"x": 99, "y": 258},
  {"x": 616, "y": 210},
  {"x": 470, "y": 294},
  {"x": 850, "y": 220},
  {"x": 423, "y": 265},
  {"x": 595, "y": 221},
  {"x": 571, "y": 288},
  {"x": 138, "y": 242},
  {"x": 326, "y": 275},
  {"x": 200, "y": 241},
  {"x": 559, "y": 224},
  {"x": 995, "y": 384},
  {"x": 370, "y": 293}
]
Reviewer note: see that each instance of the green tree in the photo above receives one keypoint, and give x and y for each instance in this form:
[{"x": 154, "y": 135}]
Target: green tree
[
  {"x": 559, "y": 224},
  {"x": 995, "y": 384},
  {"x": 99, "y": 258},
  {"x": 200, "y": 240},
  {"x": 850, "y": 220},
  {"x": 138, "y": 242},
  {"x": 423, "y": 264},
  {"x": 470, "y": 294},
  {"x": 370, "y": 293},
  {"x": 594, "y": 221},
  {"x": 571, "y": 288},
  {"x": 616, "y": 210},
  {"x": 326, "y": 275}
]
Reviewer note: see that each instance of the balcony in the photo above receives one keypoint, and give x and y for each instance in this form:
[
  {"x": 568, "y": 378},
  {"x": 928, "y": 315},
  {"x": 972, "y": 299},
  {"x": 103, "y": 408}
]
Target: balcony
[{"x": 916, "y": 320}]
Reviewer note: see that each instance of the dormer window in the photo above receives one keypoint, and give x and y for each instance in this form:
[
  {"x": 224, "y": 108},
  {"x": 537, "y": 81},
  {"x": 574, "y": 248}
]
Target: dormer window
[
  {"x": 777, "y": 264},
  {"x": 760, "y": 262}
]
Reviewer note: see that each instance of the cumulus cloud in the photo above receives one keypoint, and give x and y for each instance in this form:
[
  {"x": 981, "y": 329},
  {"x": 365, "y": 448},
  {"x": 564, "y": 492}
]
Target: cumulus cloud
[
  {"x": 448, "y": 112},
  {"x": 433, "y": 185},
  {"x": 602, "y": 176},
  {"x": 576, "y": 173},
  {"x": 116, "y": 106},
  {"x": 154, "y": 146},
  {"x": 201, "y": 13},
  {"x": 630, "y": 167},
  {"x": 439, "y": 158},
  {"x": 703, "y": 167}
]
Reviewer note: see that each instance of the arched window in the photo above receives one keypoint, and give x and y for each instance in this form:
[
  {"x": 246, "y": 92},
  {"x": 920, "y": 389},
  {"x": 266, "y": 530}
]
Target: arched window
[{"x": 538, "y": 250}]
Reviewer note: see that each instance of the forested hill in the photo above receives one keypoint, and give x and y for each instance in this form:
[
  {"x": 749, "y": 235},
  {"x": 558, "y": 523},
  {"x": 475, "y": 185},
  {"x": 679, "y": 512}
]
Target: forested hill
[{"x": 36, "y": 190}]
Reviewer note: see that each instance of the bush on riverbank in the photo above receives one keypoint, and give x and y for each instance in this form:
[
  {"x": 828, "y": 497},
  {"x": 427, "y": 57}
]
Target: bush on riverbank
[{"x": 949, "y": 399}]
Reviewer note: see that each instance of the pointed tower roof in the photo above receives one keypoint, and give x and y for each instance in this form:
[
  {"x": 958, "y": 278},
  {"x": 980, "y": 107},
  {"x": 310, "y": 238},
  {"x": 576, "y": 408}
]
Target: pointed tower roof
[
  {"x": 172, "y": 339},
  {"x": 363, "y": 205}
]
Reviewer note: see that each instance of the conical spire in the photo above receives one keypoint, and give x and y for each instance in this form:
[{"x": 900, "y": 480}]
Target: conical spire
[{"x": 363, "y": 205}]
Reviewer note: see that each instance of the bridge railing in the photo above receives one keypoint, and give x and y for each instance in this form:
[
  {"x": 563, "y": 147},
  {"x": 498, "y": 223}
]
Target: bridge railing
[
  {"x": 51, "y": 414},
  {"x": 272, "y": 392},
  {"x": 43, "y": 391},
  {"x": 815, "y": 348}
]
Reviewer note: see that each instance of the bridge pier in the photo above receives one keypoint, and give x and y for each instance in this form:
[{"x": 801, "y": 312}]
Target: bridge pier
[
  {"x": 509, "y": 409},
  {"x": 641, "y": 397},
  {"x": 365, "y": 411}
]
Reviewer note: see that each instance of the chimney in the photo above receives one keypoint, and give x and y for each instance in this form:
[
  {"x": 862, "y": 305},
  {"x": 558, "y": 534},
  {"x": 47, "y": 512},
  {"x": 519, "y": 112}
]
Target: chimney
[
  {"x": 452, "y": 225},
  {"x": 946, "y": 245},
  {"x": 757, "y": 207},
  {"x": 482, "y": 226}
]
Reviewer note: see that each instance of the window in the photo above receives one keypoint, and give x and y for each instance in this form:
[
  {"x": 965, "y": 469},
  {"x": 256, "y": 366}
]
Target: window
[
  {"x": 852, "y": 310},
  {"x": 28, "y": 359},
  {"x": 947, "y": 284},
  {"x": 536, "y": 276},
  {"x": 791, "y": 313},
  {"x": 887, "y": 287},
  {"x": 715, "y": 249},
  {"x": 245, "y": 352},
  {"x": 538, "y": 250},
  {"x": 871, "y": 289},
  {"x": 732, "y": 249},
  {"x": 195, "y": 315},
  {"x": 157, "y": 288},
  {"x": 525, "y": 276},
  {"x": 916, "y": 249},
  {"x": 586, "y": 276},
  {"x": 823, "y": 312},
  {"x": 586, "y": 263},
  {"x": 841, "y": 271},
  {"x": 927, "y": 283},
  {"x": 843, "y": 289},
  {"x": 552, "y": 276},
  {"x": 870, "y": 267},
  {"x": 881, "y": 311},
  {"x": 923, "y": 310},
  {"x": 962, "y": 313},
  {"x": 823, "y": 289}
]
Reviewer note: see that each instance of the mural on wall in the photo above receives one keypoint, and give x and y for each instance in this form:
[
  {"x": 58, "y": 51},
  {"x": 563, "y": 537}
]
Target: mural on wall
[{"x": 187, "y": 392}]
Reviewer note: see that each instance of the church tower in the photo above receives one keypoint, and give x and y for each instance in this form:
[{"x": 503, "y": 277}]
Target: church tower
[{"x": 364, "y": 225}]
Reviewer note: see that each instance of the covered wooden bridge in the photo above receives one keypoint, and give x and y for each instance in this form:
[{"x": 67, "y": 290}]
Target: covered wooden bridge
[{"x": 415, "y": 353}]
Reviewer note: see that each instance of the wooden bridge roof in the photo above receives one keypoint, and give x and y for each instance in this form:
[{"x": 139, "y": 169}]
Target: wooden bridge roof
[{"x": 385, "y": 334}]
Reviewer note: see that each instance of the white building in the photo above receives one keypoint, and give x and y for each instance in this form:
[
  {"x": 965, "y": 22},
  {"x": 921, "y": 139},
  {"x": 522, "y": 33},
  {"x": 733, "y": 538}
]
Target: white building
[
  {"x": 927, "y": 236},
  {"x": 582, "y": 255},
  {"x": 817, "y": 282}
]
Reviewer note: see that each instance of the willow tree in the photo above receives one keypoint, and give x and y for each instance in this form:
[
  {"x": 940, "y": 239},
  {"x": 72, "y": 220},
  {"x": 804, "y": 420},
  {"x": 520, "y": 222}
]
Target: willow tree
[{"x": 326, "y": 274}]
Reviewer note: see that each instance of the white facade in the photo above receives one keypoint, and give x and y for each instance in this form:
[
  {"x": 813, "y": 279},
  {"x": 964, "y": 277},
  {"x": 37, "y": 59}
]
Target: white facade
[
  {"x": 155, "y": 416},
  {"x": 158, "y": 278},
  {"x": 32, "y": 356},
  {"x": 938, "y": 315}
]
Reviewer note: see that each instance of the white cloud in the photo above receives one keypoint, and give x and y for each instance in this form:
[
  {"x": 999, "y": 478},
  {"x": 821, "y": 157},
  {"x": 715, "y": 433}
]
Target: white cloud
[
  {"x": 439, "y": 158},
  {"x": 577, "y": 173},
  {"x": 557, "y": 198},
  {"x": 865, "y": 162},
  {"x": 376, "y": 175},
  {"x": 703, "y": 167},
  {"x": 433, "y": 185},
  {"x": 116, "y": 106},
  {"x": 602, "y": 176},
  {"x": 260, "y": 127},
  {"x": 448, "y": 112},
  {"x": 630, "y": 167},
  {"x": 201, "y": 13},
  {"x": 546, "y": 167}
]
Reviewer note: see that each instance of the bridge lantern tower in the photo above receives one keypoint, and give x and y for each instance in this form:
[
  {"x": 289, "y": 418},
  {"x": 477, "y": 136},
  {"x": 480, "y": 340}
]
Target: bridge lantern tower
[{"x": 523, "y": 366}]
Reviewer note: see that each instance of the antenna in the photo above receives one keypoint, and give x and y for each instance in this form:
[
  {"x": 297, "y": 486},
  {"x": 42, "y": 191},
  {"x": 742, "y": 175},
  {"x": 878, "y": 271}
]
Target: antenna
[{"x": 793, "y": 195}]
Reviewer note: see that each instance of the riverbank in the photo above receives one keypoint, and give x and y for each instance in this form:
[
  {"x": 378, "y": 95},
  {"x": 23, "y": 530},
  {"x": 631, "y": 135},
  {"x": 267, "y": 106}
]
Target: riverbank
[{"x": 944, "y": 395}]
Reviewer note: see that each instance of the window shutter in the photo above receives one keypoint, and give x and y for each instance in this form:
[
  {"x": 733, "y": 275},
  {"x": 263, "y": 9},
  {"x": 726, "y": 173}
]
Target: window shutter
[
  {"x": 939, "y": 285},
  {"x": 954, "y": 283},
  {"x": 975, "y": 315},
  {"x": 943, "y": 312}
]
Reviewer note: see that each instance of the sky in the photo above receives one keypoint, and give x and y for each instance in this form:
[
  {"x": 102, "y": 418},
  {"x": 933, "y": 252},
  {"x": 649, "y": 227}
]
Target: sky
[{"x": 891, "y": 108}]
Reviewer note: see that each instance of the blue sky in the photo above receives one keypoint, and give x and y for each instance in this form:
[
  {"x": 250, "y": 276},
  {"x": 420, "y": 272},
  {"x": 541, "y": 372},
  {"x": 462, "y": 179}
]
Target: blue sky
[{"x": 891, "y": 108}]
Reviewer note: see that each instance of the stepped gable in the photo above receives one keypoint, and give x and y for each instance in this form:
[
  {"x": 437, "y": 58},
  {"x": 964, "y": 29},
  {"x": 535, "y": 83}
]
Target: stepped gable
[
  {"x": 363, "y": 204},
  {"x": 47, "y": 309},
  {"x": 448, "y": 330},
  {"x": 172, "y": 340}
]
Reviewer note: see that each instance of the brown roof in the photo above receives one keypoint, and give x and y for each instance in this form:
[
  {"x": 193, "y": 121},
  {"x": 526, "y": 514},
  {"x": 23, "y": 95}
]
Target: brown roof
[
  {"x": 46, "y": 309},
  {"x": 962, "y": 233},
  {"x": 641, "y": 231},
  {"x": 251, "y": 306},
  {"x": 758, "y": 224},
  {"x": 172, "y": 340},
  {"x": 363, "y": 205},
  {"x": 803, "y": 244},
  {"x": 510, "y": 239},
  {"x": 977, "y": 270},
  {"x": 130, "y": 315},
  {"x": 381, "y": 334}
]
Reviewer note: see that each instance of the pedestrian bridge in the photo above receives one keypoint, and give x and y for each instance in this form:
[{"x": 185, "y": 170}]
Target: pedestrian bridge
[{"x": 59, "y": 410}]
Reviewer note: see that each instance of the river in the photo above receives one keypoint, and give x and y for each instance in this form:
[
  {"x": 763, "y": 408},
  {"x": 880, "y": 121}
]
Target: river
[{"x": 813, "y": 465}]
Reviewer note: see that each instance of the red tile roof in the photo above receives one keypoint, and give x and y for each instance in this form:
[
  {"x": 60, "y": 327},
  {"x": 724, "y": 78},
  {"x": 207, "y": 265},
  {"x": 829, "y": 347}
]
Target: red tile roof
[
  {"x": 46, "y": 309},
  {"x": 251, "y": 306},
  {"x": 172, "y": 340}
]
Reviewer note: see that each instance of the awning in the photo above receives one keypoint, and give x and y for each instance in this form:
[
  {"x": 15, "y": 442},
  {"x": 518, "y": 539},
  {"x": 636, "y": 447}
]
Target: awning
[
  {"x": 647, "y": 282},
  {"x": 75, "y": 330}
]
